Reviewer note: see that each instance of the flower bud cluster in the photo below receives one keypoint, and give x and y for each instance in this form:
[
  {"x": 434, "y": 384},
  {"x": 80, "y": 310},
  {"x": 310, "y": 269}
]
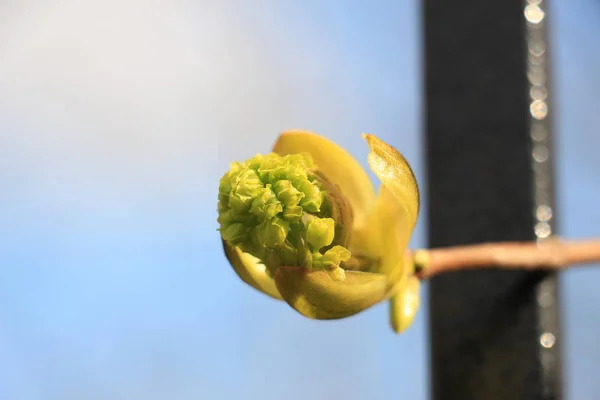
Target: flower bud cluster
[{"x": 279, "y": 209}]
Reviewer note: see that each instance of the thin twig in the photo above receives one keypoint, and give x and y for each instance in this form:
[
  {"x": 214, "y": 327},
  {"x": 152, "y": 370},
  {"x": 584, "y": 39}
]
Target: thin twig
[{"x": 553, "y": 254}]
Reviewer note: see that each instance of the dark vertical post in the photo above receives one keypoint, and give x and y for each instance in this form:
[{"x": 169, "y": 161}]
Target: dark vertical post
[{"x": 494, "y": 334}]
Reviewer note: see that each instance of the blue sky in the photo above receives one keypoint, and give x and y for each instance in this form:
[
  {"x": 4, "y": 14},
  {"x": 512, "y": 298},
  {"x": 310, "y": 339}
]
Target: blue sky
[{"x": 117, "y": 119}]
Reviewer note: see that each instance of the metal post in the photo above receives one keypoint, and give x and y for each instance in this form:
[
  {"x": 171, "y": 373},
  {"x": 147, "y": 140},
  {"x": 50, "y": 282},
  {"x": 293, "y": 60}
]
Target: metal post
[{"x": 494, "y": 334}]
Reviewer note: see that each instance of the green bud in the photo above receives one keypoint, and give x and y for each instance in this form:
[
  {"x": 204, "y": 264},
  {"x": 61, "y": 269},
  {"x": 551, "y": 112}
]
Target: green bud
[
  {"x": 273, "y": 232},
  {"x": 225, "y": 187},
  {"x": 320, "y": 232},
  {"x": 312, "y": 198},
  {"x": 293, "y": 173},
  {"x": 236, "y": 167},
  {"x": 268, "y": 166},
  {"x": 283, "y": 211},
  {"x": 302, "y": 159},
  {"x": 334, "y": 257},
  {"x": 331, "y": 262},
  {"x": 293, "y": 213},
  {"x": 256, "y": 162},
  {"x": 247, "y": 185},
  {"x": 266, "y": 205},
  {"x": 226, "y": 217},
  {"x": 235, "y": 233},
  {"x": 230, "y": 178},
  {"x": 287, "y": 193}
]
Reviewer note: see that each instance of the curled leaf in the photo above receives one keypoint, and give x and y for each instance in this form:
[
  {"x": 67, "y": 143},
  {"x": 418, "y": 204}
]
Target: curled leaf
[
  {"x": 334, "y": 162},
  {"x": 395, "y": 173},
  {"x": 317, "y": 295},
  {"x": 251, "y": 271}
]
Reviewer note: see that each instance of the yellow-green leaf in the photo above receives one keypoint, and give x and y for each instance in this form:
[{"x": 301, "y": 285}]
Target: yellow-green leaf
[
  {"x": 251, "y": 271},
  {"x": 385, "y": 236},
  {"x": 395, "y": 173},
  {"x": 336, "y": 163},
  {"x": 316, "y": 295}
]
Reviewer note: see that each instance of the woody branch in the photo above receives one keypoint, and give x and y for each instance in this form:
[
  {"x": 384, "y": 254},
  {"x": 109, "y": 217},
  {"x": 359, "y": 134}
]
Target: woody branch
[{"x": 552, "y": 254}]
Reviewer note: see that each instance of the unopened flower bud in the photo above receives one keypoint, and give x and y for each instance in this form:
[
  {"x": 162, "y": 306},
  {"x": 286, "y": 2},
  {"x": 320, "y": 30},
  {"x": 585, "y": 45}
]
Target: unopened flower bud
[
  {"x": 331, "y": 261},
  {"x": 287, "y": 193},
  {"x": 273, "y": 232},
  {"x": 235, "y": 233},
  {"x": 312, "y": 198},
  {"x": 320, "y": 232},
  {"x": 246, "y": 186},
  {"x": 281, "y": 210},
  {"x": 293, "y": 213},
  {"x": 266, "y": 205},
  {"x": 334, "y": 257}
]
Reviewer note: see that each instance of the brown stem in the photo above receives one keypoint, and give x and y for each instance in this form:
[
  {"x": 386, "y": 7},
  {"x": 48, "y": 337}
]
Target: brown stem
[{"x": 550, "y": 254}]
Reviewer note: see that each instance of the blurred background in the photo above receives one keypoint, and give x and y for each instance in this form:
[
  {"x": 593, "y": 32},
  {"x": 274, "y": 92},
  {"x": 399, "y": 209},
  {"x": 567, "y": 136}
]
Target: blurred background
[{"x": 117, "y": 119}]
